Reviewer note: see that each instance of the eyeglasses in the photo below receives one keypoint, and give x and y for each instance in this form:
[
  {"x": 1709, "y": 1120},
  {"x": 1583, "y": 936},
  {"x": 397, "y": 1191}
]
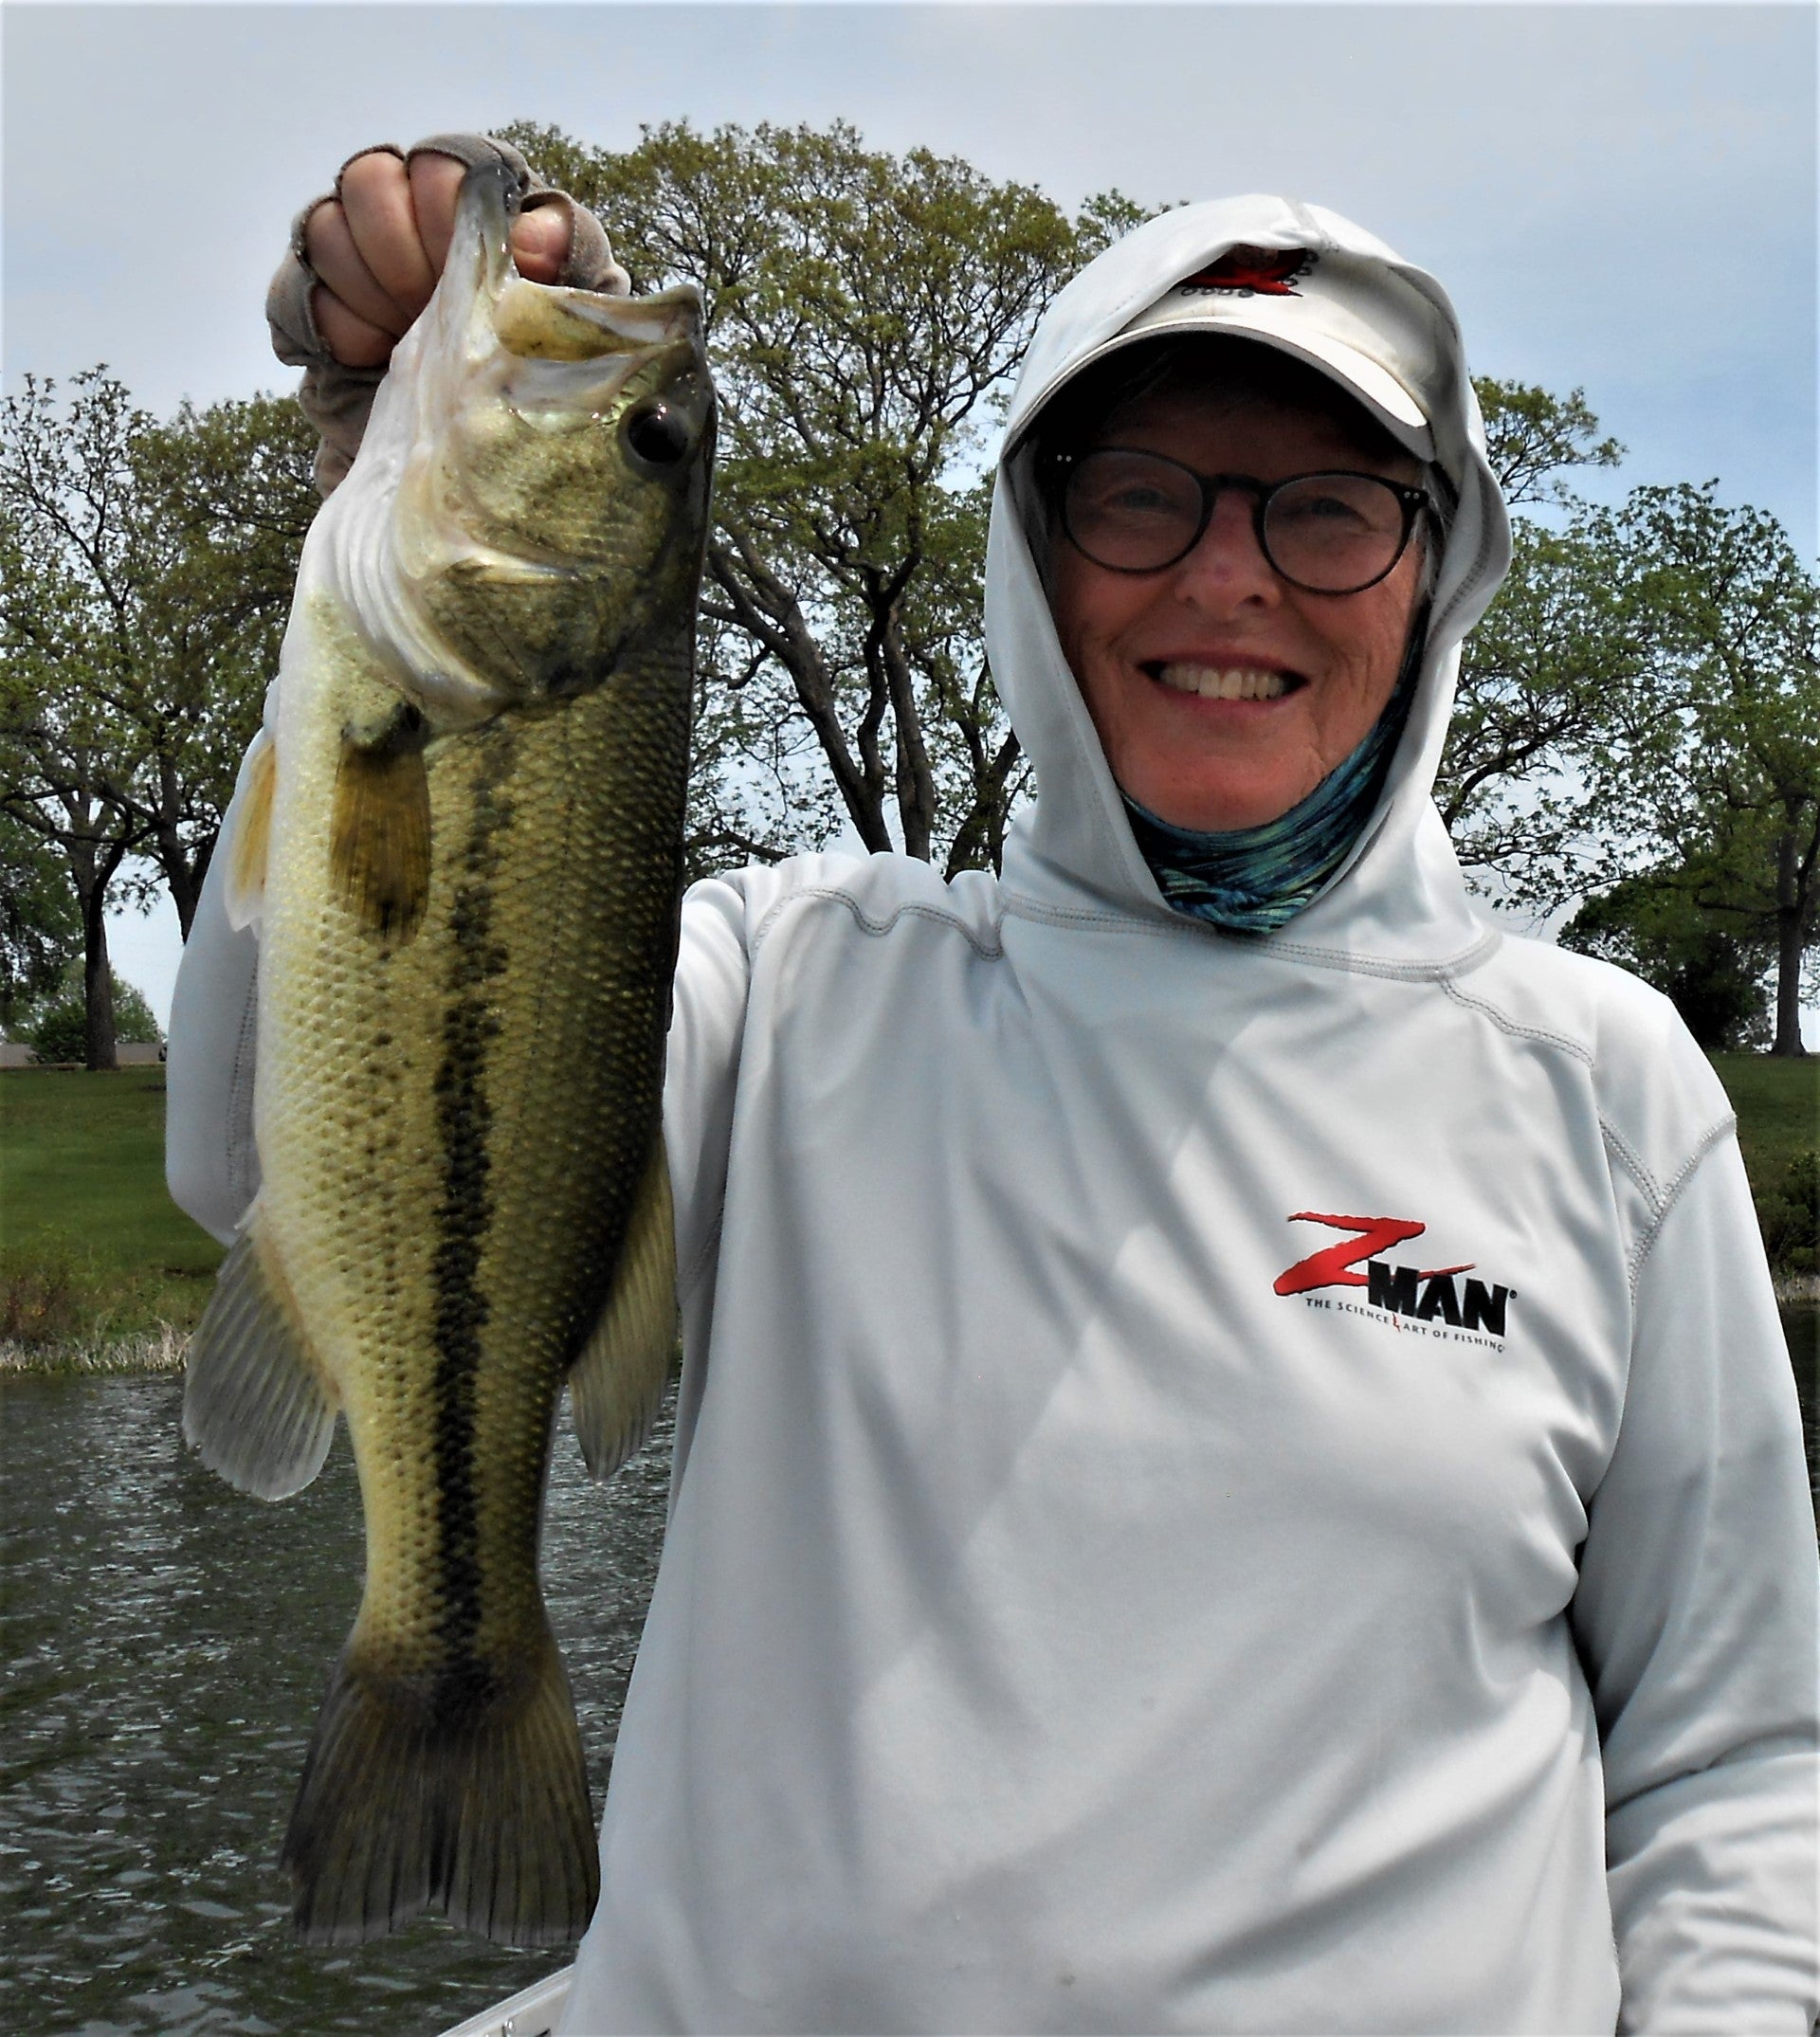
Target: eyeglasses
[{"x": 1329, "y": 534}]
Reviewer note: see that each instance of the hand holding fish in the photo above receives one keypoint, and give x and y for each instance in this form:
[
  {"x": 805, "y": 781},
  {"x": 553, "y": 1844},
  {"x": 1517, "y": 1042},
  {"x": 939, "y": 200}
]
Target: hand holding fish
[{"x": 379, "y": 245}]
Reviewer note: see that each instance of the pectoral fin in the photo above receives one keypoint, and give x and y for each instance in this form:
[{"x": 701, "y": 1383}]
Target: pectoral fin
[
  {"x": 616, "y": 1385},
  {"x": 255, "y": 1401},
  {"x": 249, "y": 839},
  {"x": 380, "y": 850}
]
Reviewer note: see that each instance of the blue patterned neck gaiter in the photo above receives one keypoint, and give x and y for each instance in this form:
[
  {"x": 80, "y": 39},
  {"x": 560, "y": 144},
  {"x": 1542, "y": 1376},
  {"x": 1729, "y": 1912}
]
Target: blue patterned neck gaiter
[{"x": 1255, "y": 880}]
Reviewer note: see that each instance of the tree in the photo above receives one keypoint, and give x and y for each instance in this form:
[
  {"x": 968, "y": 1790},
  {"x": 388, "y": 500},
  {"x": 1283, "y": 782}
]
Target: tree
[
  {"x": 72, "y": 551},
  {"x": 866, "y": 315},
  {"x": 40, "y": 928},
  {"x": 1543, "y": 678},
  {"x": 1638, "y": 719},
  {"x": 1714, "y": 777},
  {"x": 145, "y": 574},
  {"x": 231, "y": 487},
  {"x": 1540, "y": 673},
  {"x": 1535, "y": 439},
  {"x": 56, "y": 1024},
  {"x": 1655, "y": 926}
]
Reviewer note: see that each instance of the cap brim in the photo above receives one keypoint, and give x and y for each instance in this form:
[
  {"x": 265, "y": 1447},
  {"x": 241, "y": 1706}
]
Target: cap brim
[{"x": 1374, "y": 386}]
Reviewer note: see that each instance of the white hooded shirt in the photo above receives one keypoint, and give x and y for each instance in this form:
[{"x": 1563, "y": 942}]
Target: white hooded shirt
[{"x": 1231, "y": 1483}]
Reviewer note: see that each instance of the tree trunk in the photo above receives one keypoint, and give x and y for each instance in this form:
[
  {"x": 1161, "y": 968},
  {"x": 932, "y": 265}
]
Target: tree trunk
[
  {"x": 1790, "y": 924},
  {"x": 182, "y": 871},
  {"x": 91, "y": 869},
  {"x": 764, "y": 609},
  {"x": 183, "y": 876},
  {"x": 916, "y": 781},
  {"x": 97, "y": 984}
]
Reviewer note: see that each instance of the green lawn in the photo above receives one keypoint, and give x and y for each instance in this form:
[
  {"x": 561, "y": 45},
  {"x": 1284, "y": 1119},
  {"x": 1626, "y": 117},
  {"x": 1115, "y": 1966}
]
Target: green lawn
[
  {"x": 88, "y": 1238},
  {"x": 1778, "y": 1109}
]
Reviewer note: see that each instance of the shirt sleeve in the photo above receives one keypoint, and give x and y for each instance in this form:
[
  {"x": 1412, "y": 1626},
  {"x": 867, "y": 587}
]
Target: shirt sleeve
[
  {"x": 1696, "y": 1620},
  {"x": 707, "y": 1027},
  {"x": 210, "y": 1163}
]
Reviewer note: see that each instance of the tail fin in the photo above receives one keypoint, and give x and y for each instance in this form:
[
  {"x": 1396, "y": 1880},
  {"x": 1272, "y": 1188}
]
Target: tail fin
[{"x": 408, "y": 1805}]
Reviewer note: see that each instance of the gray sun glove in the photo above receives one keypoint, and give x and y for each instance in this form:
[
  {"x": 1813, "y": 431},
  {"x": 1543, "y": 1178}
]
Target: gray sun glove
[{"x": 337, "y": 399}]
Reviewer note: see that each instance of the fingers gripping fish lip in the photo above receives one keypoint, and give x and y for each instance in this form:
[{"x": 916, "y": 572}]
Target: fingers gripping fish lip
[
  {"x": 550, "y": 321},
  {"x": 552, "y": 353}
]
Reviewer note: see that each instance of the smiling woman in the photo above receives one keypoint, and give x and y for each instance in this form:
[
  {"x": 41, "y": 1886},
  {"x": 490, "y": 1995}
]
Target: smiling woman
[{"x": 1223, "y": 691}]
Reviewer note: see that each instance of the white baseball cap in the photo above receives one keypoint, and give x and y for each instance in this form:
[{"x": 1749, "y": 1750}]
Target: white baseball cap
[{"x": 1353, "y": 318}]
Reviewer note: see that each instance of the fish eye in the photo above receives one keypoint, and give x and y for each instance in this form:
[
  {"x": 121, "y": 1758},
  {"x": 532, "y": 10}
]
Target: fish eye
[{"x": 657, "y": 435}]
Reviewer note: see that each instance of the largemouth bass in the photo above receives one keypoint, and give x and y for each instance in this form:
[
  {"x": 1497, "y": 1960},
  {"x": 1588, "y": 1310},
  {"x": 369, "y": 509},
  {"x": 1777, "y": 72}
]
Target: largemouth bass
[{"x": 460, "y": 836}]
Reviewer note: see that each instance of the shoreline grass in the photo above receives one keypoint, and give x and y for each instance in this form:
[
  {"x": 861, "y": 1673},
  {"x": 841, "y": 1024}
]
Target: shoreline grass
[
  {"x": 147, "y": 1353},
  {"x": 99, "y": 1270}
]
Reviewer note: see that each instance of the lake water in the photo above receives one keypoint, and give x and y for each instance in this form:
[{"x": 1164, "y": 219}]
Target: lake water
[{"x": 165, "y": 1641}]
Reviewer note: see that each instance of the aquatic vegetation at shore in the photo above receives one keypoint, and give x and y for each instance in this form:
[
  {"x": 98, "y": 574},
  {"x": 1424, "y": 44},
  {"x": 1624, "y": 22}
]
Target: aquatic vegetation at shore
[
  {"x": 157, "y": 1350},
  {"x": 58, "y": 1294}
]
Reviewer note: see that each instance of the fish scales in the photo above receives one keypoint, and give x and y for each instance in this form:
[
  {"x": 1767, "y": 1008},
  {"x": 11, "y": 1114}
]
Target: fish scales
[
  {"x": 510, "y": 1113},
  {"x": 462, "y": 847}
]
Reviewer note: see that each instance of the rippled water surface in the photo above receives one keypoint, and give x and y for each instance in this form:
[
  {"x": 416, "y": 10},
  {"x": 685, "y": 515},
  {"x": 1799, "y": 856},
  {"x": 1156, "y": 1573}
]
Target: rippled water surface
[{"x": 165, "y": 1641}]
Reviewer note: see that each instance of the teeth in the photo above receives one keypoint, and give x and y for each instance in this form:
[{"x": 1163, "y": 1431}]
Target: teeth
[{"x": 1241, "y": 683}]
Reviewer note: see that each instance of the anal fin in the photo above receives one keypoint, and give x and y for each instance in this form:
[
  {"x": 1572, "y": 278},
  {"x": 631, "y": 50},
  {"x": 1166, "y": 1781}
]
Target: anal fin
[
  {"x": 616, "y": 1385},
  {"x": 257, "y": 1403}
]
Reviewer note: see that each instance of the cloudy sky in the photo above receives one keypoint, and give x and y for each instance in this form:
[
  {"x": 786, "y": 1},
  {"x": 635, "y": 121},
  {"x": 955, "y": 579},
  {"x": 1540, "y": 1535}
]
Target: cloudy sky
[{"x": 1620, "y": 198}]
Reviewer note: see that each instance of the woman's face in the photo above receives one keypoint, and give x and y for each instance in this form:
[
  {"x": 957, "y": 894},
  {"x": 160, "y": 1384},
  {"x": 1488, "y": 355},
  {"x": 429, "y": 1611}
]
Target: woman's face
[{"x": 1319, "y": 667}]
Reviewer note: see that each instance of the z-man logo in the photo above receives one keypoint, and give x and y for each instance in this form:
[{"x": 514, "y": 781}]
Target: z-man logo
[
  {"x": 1400, "y": 1290},
  {"x": 1331, "y": 1267},
  {"x": 1254, "y": 271}
]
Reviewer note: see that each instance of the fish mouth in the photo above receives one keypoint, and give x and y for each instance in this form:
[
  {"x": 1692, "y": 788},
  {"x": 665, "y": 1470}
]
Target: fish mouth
[{"x": 578, "y": 346}]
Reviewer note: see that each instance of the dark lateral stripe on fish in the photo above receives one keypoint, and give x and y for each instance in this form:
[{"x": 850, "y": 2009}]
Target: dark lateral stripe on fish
[{"x": 463, "y": 1217}]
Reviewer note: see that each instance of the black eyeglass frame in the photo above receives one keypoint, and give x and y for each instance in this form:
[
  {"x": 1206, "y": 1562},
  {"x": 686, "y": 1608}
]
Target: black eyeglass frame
[{"x": 1413, "y": 502}]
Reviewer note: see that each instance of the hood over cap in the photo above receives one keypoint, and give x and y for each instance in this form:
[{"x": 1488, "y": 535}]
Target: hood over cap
[{"x": 1386, "y": 332}]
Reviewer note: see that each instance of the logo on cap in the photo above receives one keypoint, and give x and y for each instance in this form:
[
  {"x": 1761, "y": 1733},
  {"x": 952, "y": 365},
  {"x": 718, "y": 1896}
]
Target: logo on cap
[{"x": 1244, "y": 271}]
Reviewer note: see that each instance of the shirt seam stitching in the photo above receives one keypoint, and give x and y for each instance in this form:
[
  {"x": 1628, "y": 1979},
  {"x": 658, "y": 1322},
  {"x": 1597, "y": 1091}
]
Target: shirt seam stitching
[
  {"x": 987, "y": 950},
  {"x": 1633, "y": 1163},
  {"x": 1018, "y": 905},
  {"x": 1671, "y": 1195},
  {"x": 1515, "y": 1027}
]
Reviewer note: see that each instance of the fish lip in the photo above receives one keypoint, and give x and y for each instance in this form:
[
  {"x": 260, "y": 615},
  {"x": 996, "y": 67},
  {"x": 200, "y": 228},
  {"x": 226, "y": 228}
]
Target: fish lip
[
  {"x": 488, "y": 202},
  {"x": 635, "y": 329},
  {"x": 595, "y": 332}
]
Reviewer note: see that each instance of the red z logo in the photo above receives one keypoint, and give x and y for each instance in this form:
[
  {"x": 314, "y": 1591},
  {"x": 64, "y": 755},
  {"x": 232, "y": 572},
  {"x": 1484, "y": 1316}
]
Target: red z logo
[
  {"x": 1254, "y": 271},
  {"x": 1331, "y": 1267}
]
